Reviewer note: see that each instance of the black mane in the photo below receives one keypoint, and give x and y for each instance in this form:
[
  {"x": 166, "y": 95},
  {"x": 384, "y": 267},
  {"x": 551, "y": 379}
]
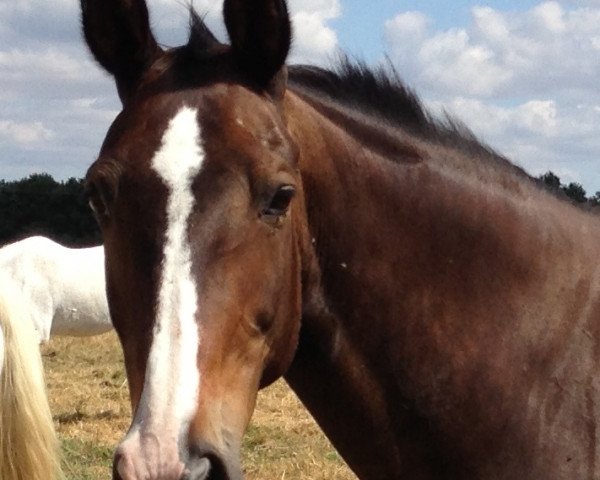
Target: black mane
[
  {"x": 381, "y": 93},
  {"x": 376, "y": 92}
]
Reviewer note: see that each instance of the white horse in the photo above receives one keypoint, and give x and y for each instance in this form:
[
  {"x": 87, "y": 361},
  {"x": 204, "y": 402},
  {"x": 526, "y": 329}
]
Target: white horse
[
  {"x": 64, "y": 288},
  {"x": 29, "y": 449}
]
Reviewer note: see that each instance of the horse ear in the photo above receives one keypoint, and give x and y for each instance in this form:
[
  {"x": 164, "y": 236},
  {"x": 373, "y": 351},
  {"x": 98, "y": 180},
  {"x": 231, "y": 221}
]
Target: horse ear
[
  {"x": 119, "y": 36},
  {"x": 260, "y": 34}
]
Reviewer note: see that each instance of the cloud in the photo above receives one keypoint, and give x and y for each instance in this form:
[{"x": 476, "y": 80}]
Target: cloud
[
  {"x": 318, "y": 42},
  {"x": 539, "y": 135},
  {"x": 37, "y": 70},
  {"x": 406, "y": 33},
  {"x": 314, "y": 40},
  {"x": 31, "y": 23},
  {"x": 525, "y": 81},
  {"x": 24, "y": 134},
  {"x": 521, "y": 53}
]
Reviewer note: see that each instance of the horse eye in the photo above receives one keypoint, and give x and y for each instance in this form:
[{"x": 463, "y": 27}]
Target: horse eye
[
  {"x": 280, "y": 202},
  {"x": 98, "y": 201}
]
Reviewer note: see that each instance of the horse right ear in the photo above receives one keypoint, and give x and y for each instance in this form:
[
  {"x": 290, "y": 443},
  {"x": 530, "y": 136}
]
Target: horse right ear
[
  {"x": 119, "y": 36},
  {"x": 260, "y": 34}
]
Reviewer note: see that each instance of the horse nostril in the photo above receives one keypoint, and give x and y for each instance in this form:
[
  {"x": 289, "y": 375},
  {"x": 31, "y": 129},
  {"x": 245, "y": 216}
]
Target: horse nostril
[
  {"x": 197, "y": 469},
  {"x": 117, "y": 461},
  {"x": 207, "y": 463}
]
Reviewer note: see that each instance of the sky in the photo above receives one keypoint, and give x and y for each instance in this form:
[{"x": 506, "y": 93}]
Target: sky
[{"x": 523, "y": 75}]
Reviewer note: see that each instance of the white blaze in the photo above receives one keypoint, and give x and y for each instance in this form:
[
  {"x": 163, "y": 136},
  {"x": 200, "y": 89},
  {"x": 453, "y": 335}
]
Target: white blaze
[{"x": 172, "y": 380}]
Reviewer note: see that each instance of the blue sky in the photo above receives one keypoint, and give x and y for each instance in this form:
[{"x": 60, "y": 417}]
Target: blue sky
[
  {"x": 356, "y": 30},
  {"x": 355, "y": 26},
  {"x": 522, "y": 75}
]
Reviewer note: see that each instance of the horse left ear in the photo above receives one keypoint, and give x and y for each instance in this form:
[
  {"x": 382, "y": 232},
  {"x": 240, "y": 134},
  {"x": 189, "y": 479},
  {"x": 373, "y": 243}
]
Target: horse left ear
[
  {"x": 119, "y": 36},
  {"x": 260, "y": 34}
]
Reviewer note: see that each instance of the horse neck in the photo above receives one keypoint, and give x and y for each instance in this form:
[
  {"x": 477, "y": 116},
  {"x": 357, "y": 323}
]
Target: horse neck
[
  {"x": 414, "y": 261},
  {"x": 384, "y": 210},
  {"x": 349, "y": 193}
]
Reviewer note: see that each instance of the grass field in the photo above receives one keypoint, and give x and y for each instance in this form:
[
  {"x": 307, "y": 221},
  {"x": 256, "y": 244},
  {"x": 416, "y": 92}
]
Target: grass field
[{"x": 90, "y": 404}]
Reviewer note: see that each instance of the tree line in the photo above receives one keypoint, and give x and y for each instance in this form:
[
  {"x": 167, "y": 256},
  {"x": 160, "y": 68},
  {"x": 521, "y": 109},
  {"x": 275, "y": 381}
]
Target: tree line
[
  {"x": 573, "y": 190},
  {"x": 40, "y": 205}
]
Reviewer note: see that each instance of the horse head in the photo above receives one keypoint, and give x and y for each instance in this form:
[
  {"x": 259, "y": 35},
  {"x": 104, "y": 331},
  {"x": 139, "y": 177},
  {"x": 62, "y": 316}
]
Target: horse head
[{"x": 200, "y": 203}]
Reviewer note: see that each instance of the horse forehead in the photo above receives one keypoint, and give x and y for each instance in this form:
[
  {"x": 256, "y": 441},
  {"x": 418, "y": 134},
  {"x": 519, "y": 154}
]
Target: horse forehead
[
  {"x": 237, "y": 112},
  {"x": 180, "y": 154},
  {"x": 165, "y": 136},
  {"x": 249, "y": 128}
]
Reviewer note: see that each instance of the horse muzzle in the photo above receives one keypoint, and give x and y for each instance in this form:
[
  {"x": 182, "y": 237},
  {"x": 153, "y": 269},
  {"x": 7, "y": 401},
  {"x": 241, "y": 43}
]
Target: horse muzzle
[{"x": 204, "y": 463}]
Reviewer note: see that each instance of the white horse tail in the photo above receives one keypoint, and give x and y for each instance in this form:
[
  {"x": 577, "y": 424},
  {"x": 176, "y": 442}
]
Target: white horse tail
[{"x": 29, "y": 448}]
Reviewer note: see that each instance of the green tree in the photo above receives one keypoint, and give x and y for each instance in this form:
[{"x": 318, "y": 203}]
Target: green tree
[
  {"x": 39, "y": 205},
  {"x": 575, "y": 192},
  {"x": 550, "y": 180}
]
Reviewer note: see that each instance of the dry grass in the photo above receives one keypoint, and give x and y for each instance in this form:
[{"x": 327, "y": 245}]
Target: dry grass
[{"x": 90, "y": 405}]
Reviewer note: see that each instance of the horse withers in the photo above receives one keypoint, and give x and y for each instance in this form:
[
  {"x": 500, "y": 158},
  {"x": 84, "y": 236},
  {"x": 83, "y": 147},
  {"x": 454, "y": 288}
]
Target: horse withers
[
  {"x": 64, "y": 288},
  {"x": 436, "y": 311}
]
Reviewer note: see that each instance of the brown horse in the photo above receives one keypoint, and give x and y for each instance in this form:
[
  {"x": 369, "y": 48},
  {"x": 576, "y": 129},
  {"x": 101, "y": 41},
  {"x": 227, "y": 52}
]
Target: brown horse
[{"x": 436, "y": 311}]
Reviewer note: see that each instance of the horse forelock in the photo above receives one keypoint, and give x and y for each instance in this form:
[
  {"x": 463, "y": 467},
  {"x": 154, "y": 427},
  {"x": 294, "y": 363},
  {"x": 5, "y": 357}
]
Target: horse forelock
[{"x": 201, "y": 39}]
